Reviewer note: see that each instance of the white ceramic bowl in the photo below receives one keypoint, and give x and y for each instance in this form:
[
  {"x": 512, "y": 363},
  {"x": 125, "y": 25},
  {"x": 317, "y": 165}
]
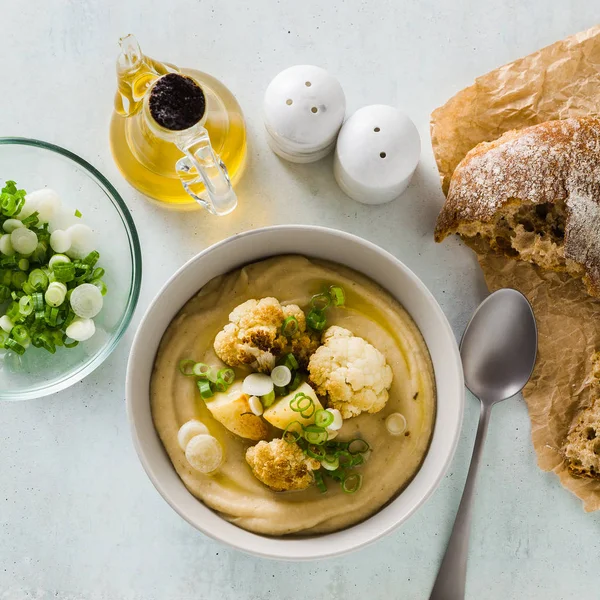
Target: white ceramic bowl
[{"x": 322, "y": 243}]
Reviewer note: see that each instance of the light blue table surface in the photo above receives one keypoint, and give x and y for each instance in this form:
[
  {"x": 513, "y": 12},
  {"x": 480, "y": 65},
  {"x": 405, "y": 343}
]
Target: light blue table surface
[{"x": 79, "y": 520}]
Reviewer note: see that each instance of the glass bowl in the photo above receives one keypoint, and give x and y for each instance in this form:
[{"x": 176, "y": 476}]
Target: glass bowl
[{"x": 33, "y": 165}]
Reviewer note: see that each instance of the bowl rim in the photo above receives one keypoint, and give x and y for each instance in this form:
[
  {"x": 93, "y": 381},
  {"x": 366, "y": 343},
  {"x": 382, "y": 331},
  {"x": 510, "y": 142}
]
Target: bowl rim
[
  {"x": 272, "y": 547},
  {"x": 136, "y": 275}
]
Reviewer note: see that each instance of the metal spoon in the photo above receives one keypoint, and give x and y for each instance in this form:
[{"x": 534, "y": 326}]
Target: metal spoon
[{"x": 498, "y": 351}]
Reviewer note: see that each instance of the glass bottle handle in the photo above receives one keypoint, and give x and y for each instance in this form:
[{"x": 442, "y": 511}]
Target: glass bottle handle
[{"x": 202, "y": 167}]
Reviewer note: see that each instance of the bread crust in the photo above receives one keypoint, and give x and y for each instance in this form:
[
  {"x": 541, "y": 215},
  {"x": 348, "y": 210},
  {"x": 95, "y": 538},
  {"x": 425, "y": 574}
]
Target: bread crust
[{"x": 550, "y": 163}]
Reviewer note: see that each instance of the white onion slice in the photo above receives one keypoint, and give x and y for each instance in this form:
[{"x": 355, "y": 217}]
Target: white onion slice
[
  {"x": 337, "y": 419},
  {"x": 204, "y": 453},
  {"x": 396, "y": 423},
  {"x": 86, "y": 301},
  {"x": 82, "y": 240},
  {"x": 6, "y": 246},
  {"x": 24, "y": 241},
  {"x": 81, "y": 330},
  {"x": 55, "y": 294},
  {"x": 281, "y": 375},
  {"x": 57, "y": 259},
  {"x": 255, "y": 405},
  {"x": 60, "y": 241},
  {"x": 189, "y": 430},
  {"x": 46, "y": 202},
  {"x": 257, "y": 384},
  {"x": 11, "y": 224},
  {"x": 6, "y": 324}
]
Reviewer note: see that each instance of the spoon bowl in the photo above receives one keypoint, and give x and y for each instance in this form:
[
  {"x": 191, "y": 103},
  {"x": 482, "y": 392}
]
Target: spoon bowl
[{"x": 499, "y": 346}]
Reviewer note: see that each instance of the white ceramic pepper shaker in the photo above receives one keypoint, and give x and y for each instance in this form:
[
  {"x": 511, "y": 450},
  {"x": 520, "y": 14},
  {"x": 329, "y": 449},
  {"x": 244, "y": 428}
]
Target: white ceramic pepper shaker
[
  {"x": 377, "y": 152},
  {"x": 304, "y": 108}
]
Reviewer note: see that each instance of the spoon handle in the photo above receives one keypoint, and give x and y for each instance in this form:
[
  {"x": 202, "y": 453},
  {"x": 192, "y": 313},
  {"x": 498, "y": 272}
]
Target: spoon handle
[{"x": 450, "y": 582}]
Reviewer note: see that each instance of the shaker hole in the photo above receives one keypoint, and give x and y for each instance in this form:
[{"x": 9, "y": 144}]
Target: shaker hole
[
  {"x": 376, "y": 130},
  {"x": 289, "y": 102},
  {"x": 314, "y": 109},
  {"x": 307, "y": 83},
  {"x": 382, "y": 154}
]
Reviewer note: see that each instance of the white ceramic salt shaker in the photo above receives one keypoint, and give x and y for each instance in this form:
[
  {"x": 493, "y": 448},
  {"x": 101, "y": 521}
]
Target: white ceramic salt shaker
[
  {"x": 377, "y": 152},
  {"x": 304, "y": 108}
]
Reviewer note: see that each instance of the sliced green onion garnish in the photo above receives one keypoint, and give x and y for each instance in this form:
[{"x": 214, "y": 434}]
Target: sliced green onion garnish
[
  {"x": 290, "y": 362},
  {"x": 280, "y": 391},
  {"x": 227, "y": 375},
  {"x": 290, "y": 326},
  {"x": 352, "y": 483},
  {"x": 68, "y": 344},
  {"x": 3, "y": 337},
  {"x": 92, "y": 258},
  {"x": 55, "y": 294},
  {"x": 37, "y": 299},
  {"x": 38, "y": 280},
  {"x": 200, "y": 370},
  {"x": 292, "y": 433},
  {"x": 315, "y": 435},
  {"x": 316, "y": 320},
  {"x": 281, "y": 376},
  {"x": 320, "y": 302},
  {"x": 220, "y": 385},
  {"x": 358, "y": 446},
  {"x": 18, "y": 279},
  {"x": 205, "y": 389},
  {"x": 14, "y": 346},
  {"x": 315, "y": 451},
  {"x": 78, "y": 214},
  {"x": 32, "y": 220},
  {"x": 296, "y": 382},
  {"x": 186, "y": 366},
  {"x": 330, "y": 462},
  {"x": 303, "y": 404},
  {"x": 23, "y": 264},
  {"x": 58, "y": 259},
  {"x": 319, "y": 481},
  {"x": 268, "y": 399},
  {"x": 4, "y": 293},
  {"x": 51, "y": 316},
  {"x": 337, "y": 295},
  {"x": 323, "y": 418},
  {"x": 98, "y": 273}
]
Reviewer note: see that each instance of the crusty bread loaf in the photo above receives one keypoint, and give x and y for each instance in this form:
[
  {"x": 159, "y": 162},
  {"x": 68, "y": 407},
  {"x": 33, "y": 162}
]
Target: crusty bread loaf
[
  {"x": 534, "y": 195},
  {"x": 582, "y": 447}
]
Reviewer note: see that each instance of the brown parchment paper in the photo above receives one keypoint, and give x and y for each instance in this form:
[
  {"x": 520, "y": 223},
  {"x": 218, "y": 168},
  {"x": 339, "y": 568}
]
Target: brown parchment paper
[{"x": 559, "y": 81}]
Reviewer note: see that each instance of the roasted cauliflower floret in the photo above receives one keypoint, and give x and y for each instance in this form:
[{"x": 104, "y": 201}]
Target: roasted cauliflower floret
[
  {"x": 281, "y": 466},
  {"x": 352, "y": 374},
  {"x": 254, "y": 337}
]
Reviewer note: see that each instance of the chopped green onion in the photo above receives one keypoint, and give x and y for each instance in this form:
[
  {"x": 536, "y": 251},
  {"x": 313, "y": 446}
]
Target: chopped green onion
[
  {"x": 58, "y": 259},
  {"x": 296, "y": 382},
  {"x": 186, "y": 366},
  {"x": 67, "y": 344},
  {"x": 32, "y": 220},
  {"x": 23, "y": 264},
  {"x": 39, "y": 254},
  {"x": 20, "y": 334},
  {"x": 316, "y": 320},
  {"x": 337, "y": 295},
  {"x": 315, "y": 435},
  {"x": 227, "y": 375},
  {"x": 290, "y": 326},
  {"x": 8, "y": 204},
  {"x": 303, "y": 404},
  {"x": 43, "y": 340},
  {"x": 268, "y": 399},
  {"x": 323, "y": 418},
  {"x": 319, "y": 481},
  {"x": 64, "y": 272},
  {"x": 320, "y": 302},
  {"x": 26, "y": 305},
  {"x": 38, "y": 280},
  {"x": 4, "y": 293},
  {"x": 358, "y": 446},
  {"x": 200, "y": 369},
  {"x": 220, "y": 385},
  {"x": 281, "y": 376},
  {"x": 205, "y": 389},
  {"x": 92, "y": 258},
  {"x": 3, "y": 337},
  {"x": 78, "y": 214},
  {"x": 290, "y": 362},
  {"x": 280, "y": 391},
  {"x": 352, "y": 483},
  {"x": 315, "y": 451},
  {"x": 292, "y": 435},
  {"x": 51, "y": 316},
  {"x": 330, "y": 462},
  {"x": 18, "y": 279},
  {"x": 37, "y": 300},
  {"x": 14, "y": 346},
  {"x": 98, "y": 273},
  {"x": 55, "y": 294}
]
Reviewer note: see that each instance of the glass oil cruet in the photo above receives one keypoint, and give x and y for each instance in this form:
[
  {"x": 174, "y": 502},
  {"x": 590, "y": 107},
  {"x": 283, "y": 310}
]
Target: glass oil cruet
[{"x": 177, "y": 135}]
